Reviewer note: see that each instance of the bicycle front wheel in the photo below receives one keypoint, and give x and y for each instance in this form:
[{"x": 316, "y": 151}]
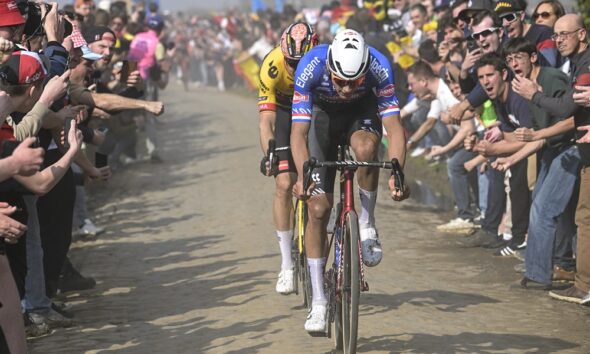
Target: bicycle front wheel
[{"x": 350, "y": 283}]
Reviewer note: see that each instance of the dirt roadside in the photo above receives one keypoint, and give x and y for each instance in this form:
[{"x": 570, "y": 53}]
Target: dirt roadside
[{"x": 189, "y": 262}]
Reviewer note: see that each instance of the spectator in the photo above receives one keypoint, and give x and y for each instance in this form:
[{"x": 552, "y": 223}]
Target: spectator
[
  {"x": 571, "y": 40},
  {"x": 547, "y": 12}
]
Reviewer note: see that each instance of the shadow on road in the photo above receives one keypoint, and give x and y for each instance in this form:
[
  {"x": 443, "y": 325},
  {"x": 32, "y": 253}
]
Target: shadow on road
[
  {"x": 465, "y": 342},
  {"x": 446, "y": 301}
]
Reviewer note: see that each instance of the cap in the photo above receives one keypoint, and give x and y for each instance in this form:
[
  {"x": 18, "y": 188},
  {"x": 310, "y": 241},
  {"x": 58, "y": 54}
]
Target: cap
[
  {"x": 9, "y": 14},
  {"x": 96, "y": 33},
  {"x": 24, "y": 67},
  {"x": 89, "y": 54},
  {"x": 474, "y": 6},
  {"x": 504, "y": 6}
]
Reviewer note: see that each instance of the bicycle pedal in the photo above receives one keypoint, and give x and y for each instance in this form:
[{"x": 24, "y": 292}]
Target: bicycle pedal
[
  {"x": 365, "y": 286},
  {"x": 318, "y": 334}
]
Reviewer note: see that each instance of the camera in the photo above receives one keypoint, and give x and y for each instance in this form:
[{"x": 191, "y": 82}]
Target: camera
[{"x": 34, "y": 25}]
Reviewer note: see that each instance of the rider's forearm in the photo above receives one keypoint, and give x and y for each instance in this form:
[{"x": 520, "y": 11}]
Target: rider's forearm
[
  {"x": 299, "y": 146},
  {"x": 396, "y": 139},
  {"x": 266, "y": 126}
]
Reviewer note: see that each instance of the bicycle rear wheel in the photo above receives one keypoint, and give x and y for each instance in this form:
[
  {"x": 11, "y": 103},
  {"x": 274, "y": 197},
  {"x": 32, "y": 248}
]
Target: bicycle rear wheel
[{"x": 350, "y": 284}]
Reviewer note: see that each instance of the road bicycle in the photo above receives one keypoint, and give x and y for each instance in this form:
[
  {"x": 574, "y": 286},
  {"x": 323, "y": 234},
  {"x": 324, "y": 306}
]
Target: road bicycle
[{"x": 345, "y": 279}]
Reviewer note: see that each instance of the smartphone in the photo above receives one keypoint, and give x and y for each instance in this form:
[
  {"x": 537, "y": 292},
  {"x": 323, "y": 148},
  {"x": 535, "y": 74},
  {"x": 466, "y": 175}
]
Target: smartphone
[
  {"x": 472, "y": 45},
  {"x": 129, "y": 66},
  {"x": 100, "y": 160},
  {"x": 67, "y": 125}
]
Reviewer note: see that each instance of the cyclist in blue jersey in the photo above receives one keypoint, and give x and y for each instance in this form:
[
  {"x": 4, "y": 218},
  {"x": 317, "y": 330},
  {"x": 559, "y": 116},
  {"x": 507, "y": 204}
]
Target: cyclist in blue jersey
[{"x": 344, "y": 89}]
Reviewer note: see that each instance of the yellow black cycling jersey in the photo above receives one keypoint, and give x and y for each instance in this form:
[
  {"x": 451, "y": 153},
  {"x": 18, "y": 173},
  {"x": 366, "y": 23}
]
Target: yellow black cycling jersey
[{"x": 276, "y": 84}]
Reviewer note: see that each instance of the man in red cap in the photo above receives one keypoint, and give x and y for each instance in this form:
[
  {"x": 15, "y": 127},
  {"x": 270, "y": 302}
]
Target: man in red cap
[{"x": 12, "y": 23}]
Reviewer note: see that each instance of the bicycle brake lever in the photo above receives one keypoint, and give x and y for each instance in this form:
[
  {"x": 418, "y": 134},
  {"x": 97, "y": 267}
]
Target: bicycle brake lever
[
  {"x": 272, "y": 157},
  {"x": 308, "y": 167},
  {"x": 398, "y": 175}
]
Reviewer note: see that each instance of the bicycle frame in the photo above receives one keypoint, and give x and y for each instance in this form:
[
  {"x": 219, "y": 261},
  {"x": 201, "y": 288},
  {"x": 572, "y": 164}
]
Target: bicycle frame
[{"x": 347, "y": 206}]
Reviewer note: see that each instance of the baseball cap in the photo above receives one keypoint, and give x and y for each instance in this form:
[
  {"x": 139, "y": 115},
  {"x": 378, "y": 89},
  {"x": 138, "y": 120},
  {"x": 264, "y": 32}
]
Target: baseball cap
[
  {"x": 96, "y": 33},
  {"x": 474, "y": 6},
  {"x": 9, "y": 14},
  {"x": 78, "y": 41},
  {"x": 89, "y": 54},
  {"x": 509, "y": 6},
  {"x": 24, "y": 67},
  {"x": 155, "y": 22}
]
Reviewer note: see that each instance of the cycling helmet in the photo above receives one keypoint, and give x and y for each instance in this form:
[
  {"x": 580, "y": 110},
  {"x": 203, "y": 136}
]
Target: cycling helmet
[
  {"x": 297, "y": 39},
  {"x": 348, "y": 55}
]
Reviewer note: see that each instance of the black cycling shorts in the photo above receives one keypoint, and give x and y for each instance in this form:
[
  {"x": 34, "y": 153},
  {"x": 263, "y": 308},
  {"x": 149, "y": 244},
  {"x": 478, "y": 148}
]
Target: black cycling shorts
[
  {"x": 329, "y": 124},
  {"x": 282, "y": 140}
]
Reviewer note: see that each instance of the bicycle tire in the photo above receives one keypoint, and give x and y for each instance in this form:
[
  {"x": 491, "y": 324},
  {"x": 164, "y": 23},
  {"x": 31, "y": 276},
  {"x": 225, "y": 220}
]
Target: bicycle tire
[
  {"x": 338, "y": 337},
  {"x": 295, "y": 254},
  {"x": 301, "y": 258},
  {"x": 296, "y": 267},
  {"x": 350, "y": 283},
  {"x": 306, "y": 281}
]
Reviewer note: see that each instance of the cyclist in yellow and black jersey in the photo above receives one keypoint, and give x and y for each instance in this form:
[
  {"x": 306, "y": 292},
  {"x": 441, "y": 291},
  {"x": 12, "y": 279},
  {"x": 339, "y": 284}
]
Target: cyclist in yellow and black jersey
[{"x": 274, "y": 105}]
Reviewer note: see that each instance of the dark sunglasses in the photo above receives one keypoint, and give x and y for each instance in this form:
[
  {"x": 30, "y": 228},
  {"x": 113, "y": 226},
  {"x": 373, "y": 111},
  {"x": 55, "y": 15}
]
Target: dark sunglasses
[
  {"x": 509, "y": 17},
  {"x": 353, "y": 83},
  {"x": 544, "y": 15},
  {"x": 485, "y": 33},
  {"x": 292, "y": 62}
]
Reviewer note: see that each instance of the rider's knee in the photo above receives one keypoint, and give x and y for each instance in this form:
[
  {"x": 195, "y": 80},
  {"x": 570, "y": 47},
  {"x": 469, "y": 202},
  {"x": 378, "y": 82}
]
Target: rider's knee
[
  {"x": 283, "y": 185},
  {"x": 365, "y": 149},
  {"x": 318, "y": 208}
]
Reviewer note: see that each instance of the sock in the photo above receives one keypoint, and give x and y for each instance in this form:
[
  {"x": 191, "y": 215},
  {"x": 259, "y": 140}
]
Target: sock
[
  {"x": 368, "y": 201},
  {"x": 285, "y": 240},
  {"x": 316, "y": 271}
]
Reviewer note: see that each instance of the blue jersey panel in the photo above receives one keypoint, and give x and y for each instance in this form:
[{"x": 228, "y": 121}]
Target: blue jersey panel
[{"x": 313, "y": 83}]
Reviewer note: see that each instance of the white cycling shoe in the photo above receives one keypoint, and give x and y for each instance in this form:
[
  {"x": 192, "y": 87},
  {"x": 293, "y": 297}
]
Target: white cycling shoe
[
  {"x": 316, "y": 319},
  {"x": 285, "y": 284},
  {"x": 370, "y": 246}
]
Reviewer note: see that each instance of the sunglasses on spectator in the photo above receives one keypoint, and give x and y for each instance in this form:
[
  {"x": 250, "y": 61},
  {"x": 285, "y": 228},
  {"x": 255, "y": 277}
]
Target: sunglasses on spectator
[
  {"x": 544, "y": 15},
  {"x": 352, "y": 83},
  {"x": 509, "y": 17},
  {"x": 485, "y": 33}
]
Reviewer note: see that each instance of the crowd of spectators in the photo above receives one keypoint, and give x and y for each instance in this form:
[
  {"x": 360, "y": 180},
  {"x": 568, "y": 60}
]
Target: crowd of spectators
[
  {"x": 78, "y": 95},
  {"x": 496, "y": 90}
]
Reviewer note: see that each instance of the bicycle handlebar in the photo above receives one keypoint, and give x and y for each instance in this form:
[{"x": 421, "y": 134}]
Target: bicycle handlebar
[{"x": 393, "y": 165}]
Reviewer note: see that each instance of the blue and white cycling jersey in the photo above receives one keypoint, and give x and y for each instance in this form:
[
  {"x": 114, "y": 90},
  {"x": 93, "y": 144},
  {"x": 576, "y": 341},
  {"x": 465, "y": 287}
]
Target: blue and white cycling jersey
[{"x": 312, "y": 82}]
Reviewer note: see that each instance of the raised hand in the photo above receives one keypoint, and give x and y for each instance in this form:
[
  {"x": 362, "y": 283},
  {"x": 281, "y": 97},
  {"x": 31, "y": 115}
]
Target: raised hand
[{"x": 28, "y": 160}]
